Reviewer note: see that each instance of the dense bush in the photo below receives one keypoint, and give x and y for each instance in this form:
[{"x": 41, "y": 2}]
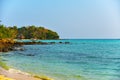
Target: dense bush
[{"x": 27, "y": 32}]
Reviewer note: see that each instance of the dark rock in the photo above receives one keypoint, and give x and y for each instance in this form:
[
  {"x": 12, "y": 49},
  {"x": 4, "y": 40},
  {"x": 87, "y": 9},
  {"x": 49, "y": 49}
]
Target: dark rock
[
  {"x": 52, "y": 42},
  {"x": 30, "y": 55},
  {"x": 67, "y": 42},
  {"x": 5, "y": 50},
  {"x": 0, "y": 49},
  {"x": 60, "y": 42},
  {"x": 44, "y": 43}
]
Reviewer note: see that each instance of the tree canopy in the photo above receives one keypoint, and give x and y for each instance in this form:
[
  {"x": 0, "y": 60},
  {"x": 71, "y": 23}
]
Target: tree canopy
[{"x": 27, "y": 32}]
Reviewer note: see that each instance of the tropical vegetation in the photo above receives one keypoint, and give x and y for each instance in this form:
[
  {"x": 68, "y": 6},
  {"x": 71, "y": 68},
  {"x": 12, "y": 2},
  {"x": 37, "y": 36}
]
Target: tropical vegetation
[{"x": 27, "y": 32}]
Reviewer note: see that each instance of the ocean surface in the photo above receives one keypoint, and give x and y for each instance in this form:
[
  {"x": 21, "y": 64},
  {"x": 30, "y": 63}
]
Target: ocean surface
[{"x": 80, "y": 60}]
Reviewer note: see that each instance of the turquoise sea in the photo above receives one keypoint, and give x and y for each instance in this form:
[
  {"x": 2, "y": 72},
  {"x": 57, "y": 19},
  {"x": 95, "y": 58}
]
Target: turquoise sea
[{"x": 82, "y": 59}]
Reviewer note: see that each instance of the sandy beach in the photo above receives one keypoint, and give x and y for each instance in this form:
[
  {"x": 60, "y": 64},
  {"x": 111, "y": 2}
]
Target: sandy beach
[{"x": 13, "y": 74}]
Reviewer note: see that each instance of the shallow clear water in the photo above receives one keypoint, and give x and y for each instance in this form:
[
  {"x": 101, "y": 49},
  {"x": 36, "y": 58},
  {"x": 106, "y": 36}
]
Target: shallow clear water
[{"x": 79, "y": 60}]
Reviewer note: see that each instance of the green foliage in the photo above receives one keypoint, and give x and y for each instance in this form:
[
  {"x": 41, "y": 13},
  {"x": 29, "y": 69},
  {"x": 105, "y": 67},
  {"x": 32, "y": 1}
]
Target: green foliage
[
  {"x": 27, "y": 32},
  {"x": 7, "y": 32},
  {"x": 37, "y": 33},
  {"x": 51, "y": 35}
]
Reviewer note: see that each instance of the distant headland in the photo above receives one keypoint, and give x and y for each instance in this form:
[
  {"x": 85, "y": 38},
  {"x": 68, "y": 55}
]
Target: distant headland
[
  {"x": 27, "y": 32},
  {"x": 9, "y": 34}
]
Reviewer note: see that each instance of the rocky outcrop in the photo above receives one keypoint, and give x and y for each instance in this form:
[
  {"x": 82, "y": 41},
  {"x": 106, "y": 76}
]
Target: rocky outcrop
[
  {"x": 11, "y": 45},
  {"x": 6, "y": 45}
]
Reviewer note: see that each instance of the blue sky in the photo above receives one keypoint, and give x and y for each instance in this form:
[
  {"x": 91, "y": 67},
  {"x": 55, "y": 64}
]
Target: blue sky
[{"x": 70, "y": 18}]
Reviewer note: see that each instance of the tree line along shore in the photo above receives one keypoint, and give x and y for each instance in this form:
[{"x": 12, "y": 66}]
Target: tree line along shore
[
  {"x": 8, "y": 34},
  {"x": 27, "y": 32},
  {"x": 8, "y": 43}
]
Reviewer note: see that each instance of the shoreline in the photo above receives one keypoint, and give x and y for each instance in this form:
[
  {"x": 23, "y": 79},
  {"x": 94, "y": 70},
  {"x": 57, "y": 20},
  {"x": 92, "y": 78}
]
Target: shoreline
[
  {"x": 7, "y": 45},
  {"x": 11, "y": 44},
  {"x": 13, "y": 74}
]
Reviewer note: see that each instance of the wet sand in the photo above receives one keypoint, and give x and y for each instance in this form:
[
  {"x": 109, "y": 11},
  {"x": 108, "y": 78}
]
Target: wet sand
[{"x": 17, "y": 75}]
